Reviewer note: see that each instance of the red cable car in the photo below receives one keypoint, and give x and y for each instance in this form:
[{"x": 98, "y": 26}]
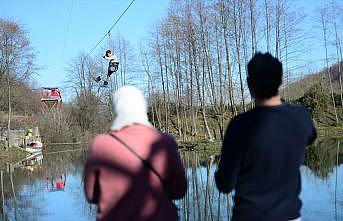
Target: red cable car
[{"x": 51, "y": 98}]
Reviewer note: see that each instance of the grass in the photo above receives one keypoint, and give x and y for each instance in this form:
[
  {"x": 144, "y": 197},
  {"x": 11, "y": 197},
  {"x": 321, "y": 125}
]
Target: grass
[
  {"x": 11, "y": 155},
  {"x": 209, "y": 147}
]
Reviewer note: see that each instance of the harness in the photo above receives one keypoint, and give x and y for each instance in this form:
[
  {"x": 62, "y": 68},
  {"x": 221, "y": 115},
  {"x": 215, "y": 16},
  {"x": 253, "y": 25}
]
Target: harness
[{"x": 145, "y": 162}]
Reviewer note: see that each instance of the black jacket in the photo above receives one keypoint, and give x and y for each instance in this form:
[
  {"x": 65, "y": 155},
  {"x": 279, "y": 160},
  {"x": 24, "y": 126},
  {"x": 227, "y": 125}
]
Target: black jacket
[{"x": 261, "y": 155}]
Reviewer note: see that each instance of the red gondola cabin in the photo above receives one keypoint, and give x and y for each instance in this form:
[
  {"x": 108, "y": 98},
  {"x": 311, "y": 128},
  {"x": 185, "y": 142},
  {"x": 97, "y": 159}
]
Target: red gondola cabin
[{"x": 51, "y": 98}]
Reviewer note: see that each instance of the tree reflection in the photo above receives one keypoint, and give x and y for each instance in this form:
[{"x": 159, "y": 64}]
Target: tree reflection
[
  {"x": 26, "y": 180},
  {"x": 321, "y": 157}
]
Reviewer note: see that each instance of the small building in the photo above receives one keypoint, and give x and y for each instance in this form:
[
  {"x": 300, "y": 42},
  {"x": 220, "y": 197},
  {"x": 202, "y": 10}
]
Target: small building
[{"x": 29, "y": 139}]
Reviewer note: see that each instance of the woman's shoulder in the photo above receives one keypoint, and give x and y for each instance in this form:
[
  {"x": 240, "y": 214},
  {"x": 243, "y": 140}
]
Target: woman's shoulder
[{"x": 156, "y": 132}]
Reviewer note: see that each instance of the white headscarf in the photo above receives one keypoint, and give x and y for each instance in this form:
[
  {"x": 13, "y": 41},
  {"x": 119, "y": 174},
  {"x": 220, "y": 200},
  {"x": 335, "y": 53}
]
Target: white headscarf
[{"x": 129, "y": 107}]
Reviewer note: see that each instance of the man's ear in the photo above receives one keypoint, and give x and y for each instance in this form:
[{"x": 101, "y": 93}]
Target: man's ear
[
  {"x": 282, "y": 80},
  {"x": 249, "y": 82},
  {"x": 250, "y": 88}
]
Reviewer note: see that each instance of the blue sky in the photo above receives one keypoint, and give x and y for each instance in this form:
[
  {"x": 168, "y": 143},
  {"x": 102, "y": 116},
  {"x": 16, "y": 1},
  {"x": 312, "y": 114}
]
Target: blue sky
[{"x": 56, "y": 43}]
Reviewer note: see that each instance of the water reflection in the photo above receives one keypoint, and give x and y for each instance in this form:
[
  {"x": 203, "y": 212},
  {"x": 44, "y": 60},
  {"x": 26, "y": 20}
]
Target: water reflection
[
  {"x": 51, "y": 188},
  {"x": 31, "y": 163},
  {"x": 323, "y": 157},
  {"x": 203, "y": 201}
]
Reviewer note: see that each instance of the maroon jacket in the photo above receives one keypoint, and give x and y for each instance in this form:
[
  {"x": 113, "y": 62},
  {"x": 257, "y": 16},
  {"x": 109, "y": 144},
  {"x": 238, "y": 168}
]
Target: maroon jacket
[{"x": 122, "y": 187}]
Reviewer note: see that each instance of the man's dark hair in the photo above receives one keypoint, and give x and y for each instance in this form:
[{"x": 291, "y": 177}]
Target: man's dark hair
[{"x": 264, "y": 75}]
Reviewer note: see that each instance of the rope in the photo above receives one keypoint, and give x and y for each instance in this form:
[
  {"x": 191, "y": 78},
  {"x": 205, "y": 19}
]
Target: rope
[
  {"x": 145, "y": 162},
  {"x": 109, "y": 31},
  {"x": 109, "y": 41}
]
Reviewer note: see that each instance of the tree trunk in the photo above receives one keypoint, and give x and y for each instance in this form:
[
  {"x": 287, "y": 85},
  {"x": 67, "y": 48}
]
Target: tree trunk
[
  {"x": 237, "y": 31},
  {"x": 163, "y": 84},
  {"x": 339, "y": 60},
  {"x": 253, "y": 27},
  {"x": 266, "y": 14},
  {"x": 324, "y": 27},
  {"x": 9, "y": 110},
  {"x": 228, "y": 66},
  {"x": 2, "y": 194}
]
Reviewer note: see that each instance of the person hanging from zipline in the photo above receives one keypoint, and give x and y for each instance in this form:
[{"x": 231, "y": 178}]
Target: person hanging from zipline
[{"x": 112, "y": 66}]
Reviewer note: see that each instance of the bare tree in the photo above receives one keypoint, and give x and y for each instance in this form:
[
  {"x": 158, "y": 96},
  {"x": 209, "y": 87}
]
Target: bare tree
[
  {"x": 267, "y": 25},
  {"x": 324, "y": 24},
  {"x": 16, "y": 63},
  {"x": 336, "y": 9}
]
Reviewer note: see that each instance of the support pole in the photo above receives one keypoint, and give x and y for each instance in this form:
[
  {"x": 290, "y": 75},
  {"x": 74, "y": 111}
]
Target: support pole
[{"x": 2, "y": 194}]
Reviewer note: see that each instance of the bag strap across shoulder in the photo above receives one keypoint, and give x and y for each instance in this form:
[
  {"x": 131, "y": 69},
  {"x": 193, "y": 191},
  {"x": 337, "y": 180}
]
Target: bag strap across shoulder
[{"x": 145, "y": 162}]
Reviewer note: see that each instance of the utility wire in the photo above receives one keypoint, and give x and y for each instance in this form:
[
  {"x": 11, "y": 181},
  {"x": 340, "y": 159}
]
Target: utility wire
[
  {"x": 67, "y": 33},
  {"x": 109, "y": 31},
  {"x": 65, "y": 38}
]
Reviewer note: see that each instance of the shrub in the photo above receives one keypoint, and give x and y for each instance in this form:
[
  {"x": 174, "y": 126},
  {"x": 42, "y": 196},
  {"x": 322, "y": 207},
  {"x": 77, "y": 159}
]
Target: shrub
[{"x": 316, "y": 99}]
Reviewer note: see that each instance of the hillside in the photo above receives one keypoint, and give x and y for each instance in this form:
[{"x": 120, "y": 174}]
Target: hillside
[{"x": 298, "y": 88}]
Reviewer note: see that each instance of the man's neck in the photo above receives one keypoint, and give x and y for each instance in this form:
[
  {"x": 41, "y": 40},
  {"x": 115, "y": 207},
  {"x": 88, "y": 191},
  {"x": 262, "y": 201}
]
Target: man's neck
[{"x": 273, "y": 101}]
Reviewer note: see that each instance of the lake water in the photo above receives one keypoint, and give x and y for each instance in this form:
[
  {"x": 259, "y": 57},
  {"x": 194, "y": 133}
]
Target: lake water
[{"x": 29, "y": 195}]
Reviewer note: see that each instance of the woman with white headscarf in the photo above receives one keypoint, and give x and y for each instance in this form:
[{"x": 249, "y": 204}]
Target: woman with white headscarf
[{"x": 135, "y": 171}]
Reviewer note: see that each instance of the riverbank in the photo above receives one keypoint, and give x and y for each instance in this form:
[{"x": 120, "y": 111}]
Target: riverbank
[
  {"x": 336, "y": 132},
  {"x": 210, "y": 147},
  {"x": 198, "y": 145},
  {"x": 13, "y": 154}
]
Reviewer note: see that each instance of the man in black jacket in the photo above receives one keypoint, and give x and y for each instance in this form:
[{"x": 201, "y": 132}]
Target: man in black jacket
[{"x": 264, "y": 148}]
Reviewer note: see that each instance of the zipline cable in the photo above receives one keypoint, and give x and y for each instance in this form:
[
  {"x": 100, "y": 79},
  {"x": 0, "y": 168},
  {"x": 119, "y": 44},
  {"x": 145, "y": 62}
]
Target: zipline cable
[
  {"x": 67, "y": 32},
  {"x": 109, "y": 31}
]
